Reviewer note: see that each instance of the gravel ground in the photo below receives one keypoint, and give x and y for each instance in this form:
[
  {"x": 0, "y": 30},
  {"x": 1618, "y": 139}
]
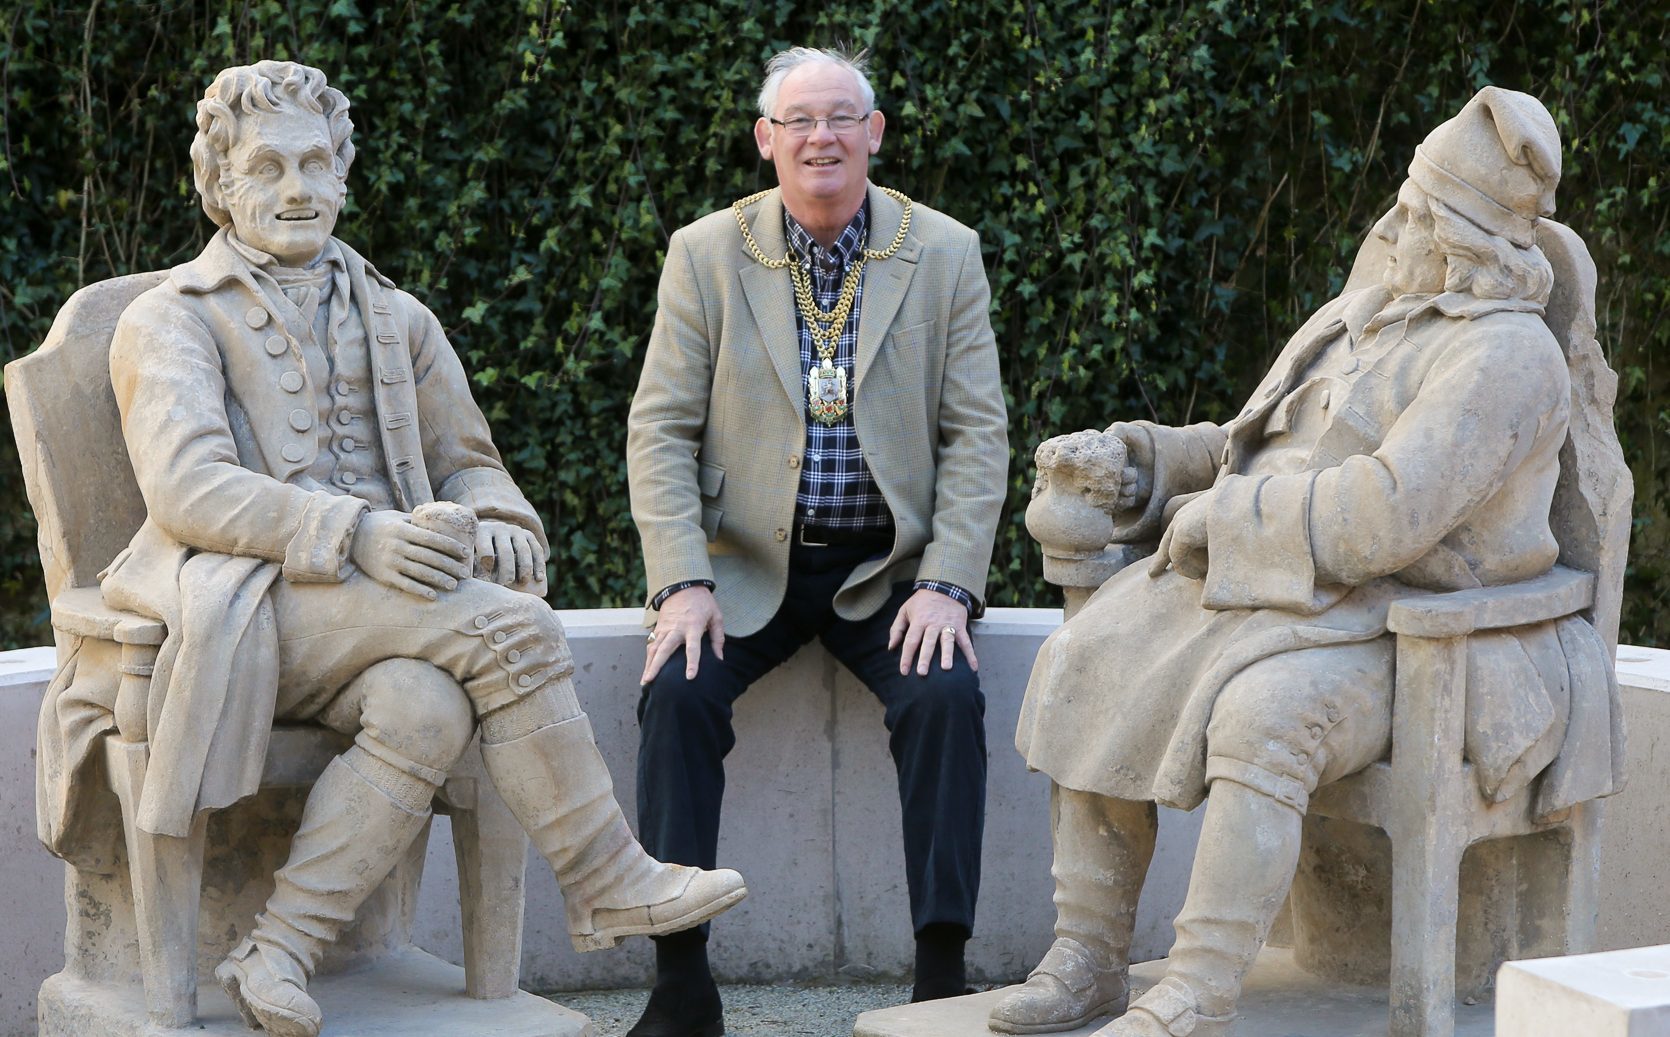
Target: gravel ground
[{"x": 753, "y": 1011}]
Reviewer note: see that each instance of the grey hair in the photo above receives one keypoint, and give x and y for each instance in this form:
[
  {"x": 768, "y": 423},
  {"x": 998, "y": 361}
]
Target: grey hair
[
  {"x": 786, "y": 61},
  {"x": 263, "y": 87},
  {"x": 1488, "y": 265}
]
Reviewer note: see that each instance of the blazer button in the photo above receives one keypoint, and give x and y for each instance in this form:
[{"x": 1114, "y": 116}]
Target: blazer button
[
  {"x": 782, "y": 534},
  {"x": 794, "y": 462},
  {"x": 256, "y": 317},
  {"x": 277, "y": 346},
  {"x": 301, "y": 420},
  {"x": 292, "y": 452},
  {"x": 290, "y": 381}
]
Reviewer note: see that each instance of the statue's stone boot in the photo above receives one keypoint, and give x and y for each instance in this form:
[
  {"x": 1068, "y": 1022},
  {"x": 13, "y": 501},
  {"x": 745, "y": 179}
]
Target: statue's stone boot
[
  {"x": 1102, "y": 849},
  {"x": 353, "y": 831},
  {"x": 556, "y": 783},
  {"x": 1249, "y": 846}
]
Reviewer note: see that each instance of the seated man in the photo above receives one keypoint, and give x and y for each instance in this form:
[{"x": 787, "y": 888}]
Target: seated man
[
  {"x": 286, "y": 409},
  {"x": 1406, "y": 441}
]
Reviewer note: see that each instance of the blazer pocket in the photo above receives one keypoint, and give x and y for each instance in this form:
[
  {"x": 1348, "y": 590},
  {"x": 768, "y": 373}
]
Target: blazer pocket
[
  {"x": 913, "y": 336},
  {"x": 709, "y": 478},
  {"x": 710, "y": 522}
]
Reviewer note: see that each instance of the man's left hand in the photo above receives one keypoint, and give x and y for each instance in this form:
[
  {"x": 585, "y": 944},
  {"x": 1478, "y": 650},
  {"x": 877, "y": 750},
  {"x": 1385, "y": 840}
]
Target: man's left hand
[
  {"x": 509, "y": 554},
  {"x": 922, "y": 625}
]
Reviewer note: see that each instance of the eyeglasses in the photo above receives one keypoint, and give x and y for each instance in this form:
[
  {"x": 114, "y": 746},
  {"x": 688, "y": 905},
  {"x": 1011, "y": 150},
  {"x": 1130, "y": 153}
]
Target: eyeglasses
[{"x": 802, "y": 125}]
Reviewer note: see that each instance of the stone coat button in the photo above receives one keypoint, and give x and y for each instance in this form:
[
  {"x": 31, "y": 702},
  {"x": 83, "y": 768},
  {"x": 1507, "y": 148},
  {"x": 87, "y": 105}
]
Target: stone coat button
[
  {"x": 301, "y": 420},
  {"x": 256, "y": 317},
  {"x": 782, "y": 534},
  {"x": 290, "y": 381},
  {"x": 349, "y": 478},
  {"x": 513, "y": 656},
  {"x": 344, "y": 417},
  {"x": 292, "y": 452},
  {"x": 481, "y": 622},
  {"x": 348, "y": 445},
  {"x": 277, "y": 346},
  {"x": 342, "y": 387},
  {"x": 499, "y": 637},
  {"x": 525, "y": 681}
]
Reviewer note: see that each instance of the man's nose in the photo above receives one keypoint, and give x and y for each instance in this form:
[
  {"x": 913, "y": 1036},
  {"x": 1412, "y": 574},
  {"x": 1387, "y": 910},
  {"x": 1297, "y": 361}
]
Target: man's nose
[{"x": 821, "y": 132}]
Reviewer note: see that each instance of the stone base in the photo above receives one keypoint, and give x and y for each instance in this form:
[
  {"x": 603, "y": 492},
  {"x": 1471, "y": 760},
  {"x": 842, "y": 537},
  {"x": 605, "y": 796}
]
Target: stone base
[
  {"x": 410, "y": 995},
  {"x": 1280, "y": 1000}
]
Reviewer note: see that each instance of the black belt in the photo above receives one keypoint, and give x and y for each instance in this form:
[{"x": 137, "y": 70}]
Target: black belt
[{"x": 827, "y": 536}]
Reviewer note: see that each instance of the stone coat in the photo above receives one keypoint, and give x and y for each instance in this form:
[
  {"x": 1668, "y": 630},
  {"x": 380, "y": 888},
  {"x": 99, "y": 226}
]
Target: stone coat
[
  {"x": 217, "y": 410},
  {"x": 1435, "y": 473},
  {"x": 717, "y": 427}
]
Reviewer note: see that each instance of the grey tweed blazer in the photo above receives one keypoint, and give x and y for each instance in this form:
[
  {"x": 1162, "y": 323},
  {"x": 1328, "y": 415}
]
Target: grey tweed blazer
[{"x": 717, "y": 426}]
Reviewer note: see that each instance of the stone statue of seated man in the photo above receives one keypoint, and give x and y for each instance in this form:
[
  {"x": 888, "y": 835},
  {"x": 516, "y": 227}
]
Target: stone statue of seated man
[
  {"x": 287, "y": 410},
  {"x": 1406, "y": 440}
]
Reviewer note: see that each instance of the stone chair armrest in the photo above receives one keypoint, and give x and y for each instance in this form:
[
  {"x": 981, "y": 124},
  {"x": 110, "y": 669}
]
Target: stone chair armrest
[
  {"x": 81, "y": 611},
  {"x": 1558, "y": 593}
]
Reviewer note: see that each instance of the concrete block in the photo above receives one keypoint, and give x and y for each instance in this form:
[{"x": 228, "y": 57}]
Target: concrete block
[
  {"x": 1635, "y": 838},
  {"x": 1611, "y": 994}
]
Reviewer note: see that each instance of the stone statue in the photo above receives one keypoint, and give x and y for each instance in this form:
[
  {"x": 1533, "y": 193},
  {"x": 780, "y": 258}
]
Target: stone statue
[
  {"x": 316, "y": 481},
  {"x": 1407, "y": 441}
]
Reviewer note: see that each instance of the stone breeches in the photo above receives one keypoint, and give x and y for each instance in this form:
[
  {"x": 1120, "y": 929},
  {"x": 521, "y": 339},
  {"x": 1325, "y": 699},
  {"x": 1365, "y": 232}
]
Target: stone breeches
[
  {"x": 498, "y": 644},
  {"x": 1292, "y": 722}
]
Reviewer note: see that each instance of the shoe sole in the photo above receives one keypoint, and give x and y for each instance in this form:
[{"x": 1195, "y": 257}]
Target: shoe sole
[
  {"x": 710, "y": 1030},
  {"x": 604, "y": 939},
  {"x": 1115, "y": 1008},
  {"x": 230, "y": 977}
]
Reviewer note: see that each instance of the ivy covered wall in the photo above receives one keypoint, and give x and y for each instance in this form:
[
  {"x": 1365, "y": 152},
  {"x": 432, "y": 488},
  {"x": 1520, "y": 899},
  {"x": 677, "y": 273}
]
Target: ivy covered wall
[{"x": 1164, "y": 192}]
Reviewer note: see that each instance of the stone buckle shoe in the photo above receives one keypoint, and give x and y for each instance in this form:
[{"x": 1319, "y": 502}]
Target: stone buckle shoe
[
  {"x": 1065, "y": 991},
  {"x": 1167, "y": 1009},
  {"x": 269, "y": 990},
  {"x": 702, "y": 895}
]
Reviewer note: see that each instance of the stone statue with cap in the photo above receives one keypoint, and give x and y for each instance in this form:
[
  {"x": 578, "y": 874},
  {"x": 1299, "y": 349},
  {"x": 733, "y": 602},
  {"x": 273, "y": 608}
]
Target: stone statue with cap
[{"x": 1406, "y": 441}]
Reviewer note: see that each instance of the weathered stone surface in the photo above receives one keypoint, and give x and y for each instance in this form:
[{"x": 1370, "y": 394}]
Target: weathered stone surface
[{"x": 409, "y": 993}]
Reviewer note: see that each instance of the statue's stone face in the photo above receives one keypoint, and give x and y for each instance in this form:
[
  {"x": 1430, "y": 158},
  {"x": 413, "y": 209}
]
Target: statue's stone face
[
  {"x": 279, "y": 183},
  {"x": 1415, "y": 265}
]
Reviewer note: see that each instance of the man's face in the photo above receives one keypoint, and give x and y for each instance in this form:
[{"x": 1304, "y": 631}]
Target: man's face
[
  {"x": 279, "y": 183},
  {"x": 824, "y": 169},
  {"x": 1415, "y": 264}
]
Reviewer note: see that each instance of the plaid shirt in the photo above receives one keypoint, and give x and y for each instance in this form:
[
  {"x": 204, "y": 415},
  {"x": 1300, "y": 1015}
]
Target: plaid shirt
[{"x": 836, "y": 489}]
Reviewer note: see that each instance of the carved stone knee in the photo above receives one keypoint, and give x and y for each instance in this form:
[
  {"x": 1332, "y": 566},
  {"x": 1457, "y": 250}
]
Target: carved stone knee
[{"x": 417, "y": 712}]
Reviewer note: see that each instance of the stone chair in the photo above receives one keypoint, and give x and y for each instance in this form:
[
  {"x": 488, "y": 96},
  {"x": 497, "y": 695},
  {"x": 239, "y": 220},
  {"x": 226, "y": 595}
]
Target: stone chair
[
  {"x": 82, "y": 490},
  {"x": 1361, "y": 912}
]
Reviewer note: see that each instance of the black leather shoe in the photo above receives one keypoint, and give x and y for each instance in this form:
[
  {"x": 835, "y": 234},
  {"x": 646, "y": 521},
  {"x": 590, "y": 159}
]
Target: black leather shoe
[{"x": 674, "y": 1012}]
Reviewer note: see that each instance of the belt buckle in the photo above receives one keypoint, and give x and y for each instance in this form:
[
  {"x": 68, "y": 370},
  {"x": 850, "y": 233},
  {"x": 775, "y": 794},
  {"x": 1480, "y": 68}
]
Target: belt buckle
[{"x": 800, "y": 535}]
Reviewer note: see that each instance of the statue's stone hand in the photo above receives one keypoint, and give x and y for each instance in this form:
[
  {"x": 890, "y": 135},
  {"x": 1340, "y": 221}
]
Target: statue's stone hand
[
  {"x": 509, "y": 554},
  {"x": 1184, "y": 545},
  {"x": 390, "y": 549},
  {"x": 1083, "y": 479}
]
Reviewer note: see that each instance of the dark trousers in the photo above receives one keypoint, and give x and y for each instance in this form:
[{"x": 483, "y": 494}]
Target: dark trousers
[{"x": 936, "y": 727}]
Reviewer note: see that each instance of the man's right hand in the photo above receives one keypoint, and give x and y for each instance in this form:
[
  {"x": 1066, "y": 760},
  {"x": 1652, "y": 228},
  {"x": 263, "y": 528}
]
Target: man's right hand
[
  {"x": 1137, "y": 480},
  {"x": 683, "y": 619},
  {"x": 390, "y": 549}
]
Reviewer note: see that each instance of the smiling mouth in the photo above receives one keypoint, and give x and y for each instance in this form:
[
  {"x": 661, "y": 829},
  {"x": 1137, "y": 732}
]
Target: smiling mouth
[
  {"x": 294, "y": 215},
  {"x": 823, "y": 163}
]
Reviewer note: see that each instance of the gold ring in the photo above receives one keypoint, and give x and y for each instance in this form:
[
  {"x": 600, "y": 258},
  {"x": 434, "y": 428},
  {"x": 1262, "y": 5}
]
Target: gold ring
[{"x": 948, "y": 632}]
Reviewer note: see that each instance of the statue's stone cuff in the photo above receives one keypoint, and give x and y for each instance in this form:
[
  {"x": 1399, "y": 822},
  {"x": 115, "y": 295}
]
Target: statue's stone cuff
[
  {"x": 318, "y": 552},
  {"x": 529, "y": 651},
  {"x": 1279, "y": 787}
]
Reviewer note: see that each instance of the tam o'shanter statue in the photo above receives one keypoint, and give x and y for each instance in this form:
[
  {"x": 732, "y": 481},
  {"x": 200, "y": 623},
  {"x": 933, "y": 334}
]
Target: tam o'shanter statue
[
  {"x": 1407, "y": 442},
  {"x": 286, "y": 411}
]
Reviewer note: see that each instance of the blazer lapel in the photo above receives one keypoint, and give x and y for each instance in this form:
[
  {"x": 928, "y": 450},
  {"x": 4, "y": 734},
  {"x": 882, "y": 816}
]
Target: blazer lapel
[
  {"x": 770, "y": 296},
  {"x": 885, "y": 282}
]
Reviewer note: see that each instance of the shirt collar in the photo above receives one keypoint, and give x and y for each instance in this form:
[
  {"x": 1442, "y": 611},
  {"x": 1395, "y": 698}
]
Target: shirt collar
[{"x": 848, "y": 246}]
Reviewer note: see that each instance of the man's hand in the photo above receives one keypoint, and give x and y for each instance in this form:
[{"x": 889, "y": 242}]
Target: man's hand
[
  {"x": 1184, "y": 545},
  {"x": 922, "y": 624},
  {"x": 509, "y": 554},
  {"x": 683, "y": 619},
  {"x": 391, "y": 550}
]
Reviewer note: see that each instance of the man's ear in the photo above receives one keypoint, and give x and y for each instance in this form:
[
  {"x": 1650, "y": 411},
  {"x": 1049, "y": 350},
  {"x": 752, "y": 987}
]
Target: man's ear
[
  {"x": 762, "y": 137},
  {"x": 878, "y": 123}
]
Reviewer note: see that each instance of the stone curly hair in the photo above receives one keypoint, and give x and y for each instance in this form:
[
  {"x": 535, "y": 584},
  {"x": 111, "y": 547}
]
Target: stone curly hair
[{"x": 264, "y": 87}]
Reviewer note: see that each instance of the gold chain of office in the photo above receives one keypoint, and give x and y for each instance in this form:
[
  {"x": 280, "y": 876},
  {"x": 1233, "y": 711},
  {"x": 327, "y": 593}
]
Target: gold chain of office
[{"x": 825, "y": 325}]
